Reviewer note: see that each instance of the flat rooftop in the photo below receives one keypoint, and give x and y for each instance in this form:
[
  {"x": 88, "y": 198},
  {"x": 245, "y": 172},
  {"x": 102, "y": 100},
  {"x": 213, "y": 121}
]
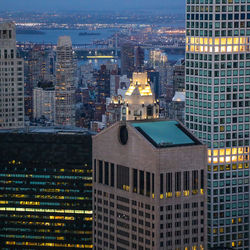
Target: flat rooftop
[
  {"x": 165, "y": 133},
  {"x": 49, "y": 129}
]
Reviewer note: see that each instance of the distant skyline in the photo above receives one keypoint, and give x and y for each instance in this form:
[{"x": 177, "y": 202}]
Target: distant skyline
[{"x": 167, "y": 6}]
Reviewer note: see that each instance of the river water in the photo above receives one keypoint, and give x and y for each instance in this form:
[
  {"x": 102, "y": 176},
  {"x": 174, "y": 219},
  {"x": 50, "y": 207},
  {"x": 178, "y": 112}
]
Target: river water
[{"x": 51, "y": 36}]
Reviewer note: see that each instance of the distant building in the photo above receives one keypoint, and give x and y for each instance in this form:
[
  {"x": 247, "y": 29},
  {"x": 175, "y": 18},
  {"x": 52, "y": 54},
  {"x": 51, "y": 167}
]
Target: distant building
[
  {"x": 127, "y": 59},
  {"x": 149, "y": 187},
  {"x": 139, "y": 58},
  {"x": 65, "y": 89},
  {"x": 44, "y": 102},
  {"x": 179, "y": 76},
  {"x": 46, "y": 189},
  {"x": 118, "y": 82},
  {"x": 177, "y": 107},
  {"x": 139, "y": 101},
  {"x": 11, "y": 80},
  {"x": 103, "y": 84},
  {"x": 157, "y": 57},
  {"x": 154, "y": 78}
]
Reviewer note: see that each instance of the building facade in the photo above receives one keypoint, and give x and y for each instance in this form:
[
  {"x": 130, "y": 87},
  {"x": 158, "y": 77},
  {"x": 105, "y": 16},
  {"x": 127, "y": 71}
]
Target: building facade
[
  {"x": 65, "y": 89},
  {"x": 148, "y": 187},
  {"x": 46, "y": 189},
  {"x": 139, "y": 100},
  {"x": 44, "y": 103},
  {"x": 11, "y": 80},
  {"x": 127, "y": 59},
  {"x": 217, "y": 111}
]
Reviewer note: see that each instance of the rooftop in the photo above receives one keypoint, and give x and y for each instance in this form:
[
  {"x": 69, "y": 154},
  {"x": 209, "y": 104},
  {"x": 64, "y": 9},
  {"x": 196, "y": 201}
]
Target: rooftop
[
  {"x": 165, "y": 133},
  {"x": 49, "y": 129}
]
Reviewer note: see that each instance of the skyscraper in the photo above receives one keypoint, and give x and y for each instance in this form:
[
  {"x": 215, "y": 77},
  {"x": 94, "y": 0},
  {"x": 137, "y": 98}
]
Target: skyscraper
[
  {"x": 11, "y": 80},
  {"x": 218, "y": 108},
  {"x": 46, "y": 189},
  {"x": 127, "y": 59},
  {"x": 139, "y": 58},
  {"x": 65, "y": 89},
  {"x": 149, "y": 187}
]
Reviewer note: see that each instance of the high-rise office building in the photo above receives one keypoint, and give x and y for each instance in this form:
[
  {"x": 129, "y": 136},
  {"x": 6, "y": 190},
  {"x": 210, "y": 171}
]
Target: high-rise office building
[
  {"x": 65, "y": 89},
  {"x": 218, "y": 111},
  {"x": 11, "y": 80},
  {"x": 139, "y": 58},
  {"x": 46, "y": 189},
  {"x": 149, "y": 187},
  {"x": 127, "y": 59},
  {"x": 179, "y": 76},
  {"x": 44, "y": 102}
]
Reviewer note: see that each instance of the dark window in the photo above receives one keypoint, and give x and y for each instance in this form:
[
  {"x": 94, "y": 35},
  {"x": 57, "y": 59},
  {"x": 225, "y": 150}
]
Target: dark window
[
  {"x": 141, "y": 182},
  {"x": 112, "y": 181},
  {"x": 153, "y": 183},
  {"x": 135, "y": 180},
  {"x": 202, "y": 179},
  {"x": 122, "y": 177},
  {"x": 100, "y": 172},
  {"x": 147, "y": 184},
  {"x": 186, "y": 180},
  {"x": 106, "y": 169},
  {"x": 178, "y": 181},
  {"x": 195, "y": 180},
  {"x": 161, "y": 183},
  {"x": 169, "y": 182}
]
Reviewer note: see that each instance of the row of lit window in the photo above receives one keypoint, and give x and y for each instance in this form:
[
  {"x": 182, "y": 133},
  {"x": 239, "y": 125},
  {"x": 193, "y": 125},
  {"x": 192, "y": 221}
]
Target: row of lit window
[
  {"x": 14, "y": 243},
  {"x": 223, "y": 49},
  {"x": 41, "y": 210},
  {"x": 228, "y": 167},
  {"x": 217, "y": 41}
]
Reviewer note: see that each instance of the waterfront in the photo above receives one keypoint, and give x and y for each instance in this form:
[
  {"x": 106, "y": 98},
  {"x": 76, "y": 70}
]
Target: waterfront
[{"x": 51, "y": 36}]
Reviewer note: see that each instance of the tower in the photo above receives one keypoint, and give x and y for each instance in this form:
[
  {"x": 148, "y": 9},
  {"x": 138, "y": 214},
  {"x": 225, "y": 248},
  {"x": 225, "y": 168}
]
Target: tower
[
  {"x": 217, "y": 111},
  {"x": 65, "y": 89},
  {"x": 148, "y": 187},
  {"x": 127, "y": 59},
  {"x": 11, "y": 80},
  {"x": 139, "y": 101}
]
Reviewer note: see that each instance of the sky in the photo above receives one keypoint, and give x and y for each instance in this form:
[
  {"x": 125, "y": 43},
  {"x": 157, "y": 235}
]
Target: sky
[{"x": 176, "y": 6}]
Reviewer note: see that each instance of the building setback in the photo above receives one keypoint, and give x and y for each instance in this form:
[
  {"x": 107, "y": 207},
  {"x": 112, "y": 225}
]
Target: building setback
[
  {"x": 11, "y": 80},
  {"x": 45, "y": 189},
  {"x": 149, "y": 188}
]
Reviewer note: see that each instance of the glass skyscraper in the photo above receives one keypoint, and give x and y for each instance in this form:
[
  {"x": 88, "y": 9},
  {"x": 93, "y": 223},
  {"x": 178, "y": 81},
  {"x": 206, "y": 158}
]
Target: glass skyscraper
[
  {"x": 46, "y": 189},
  {"x": 217, "y": 110}
]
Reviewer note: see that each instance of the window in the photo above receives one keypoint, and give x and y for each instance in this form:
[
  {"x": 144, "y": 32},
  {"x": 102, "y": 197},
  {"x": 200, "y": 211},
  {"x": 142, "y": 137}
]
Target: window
[
  {"x": 195, "y": 181},
  {"x": 112, "y": 181},
  {"x": 141, "y": 182},
  {"x": 147, "y": 184},
  {"x": 177, "y": 182},
  {"x": 169, "y": 184},
  {"x": 100, "y": 172},
  {"x": 122, "y": 177},
  {"x": 106, "y": 173},
  {"x": 135, "y": 182}
]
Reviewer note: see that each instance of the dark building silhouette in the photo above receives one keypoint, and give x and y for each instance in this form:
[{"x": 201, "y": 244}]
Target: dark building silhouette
[
  {"x": 127, "y": 59},
  {"x": 103, "y": 84},
  {"x": 179, "y": 76},
  {"x": 46, "y": 189},
  {"x": 153, "y": 76},
  {"x": 139, "y": 58}
]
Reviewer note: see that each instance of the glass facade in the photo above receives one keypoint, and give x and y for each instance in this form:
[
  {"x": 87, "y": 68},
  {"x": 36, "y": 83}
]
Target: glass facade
[
  {"x": 218, "y": 108},
  {"x": 45, "y": 191}
]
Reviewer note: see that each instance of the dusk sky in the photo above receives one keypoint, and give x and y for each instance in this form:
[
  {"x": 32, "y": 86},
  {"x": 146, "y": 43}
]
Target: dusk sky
[{"x": 177, "y": 6}]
